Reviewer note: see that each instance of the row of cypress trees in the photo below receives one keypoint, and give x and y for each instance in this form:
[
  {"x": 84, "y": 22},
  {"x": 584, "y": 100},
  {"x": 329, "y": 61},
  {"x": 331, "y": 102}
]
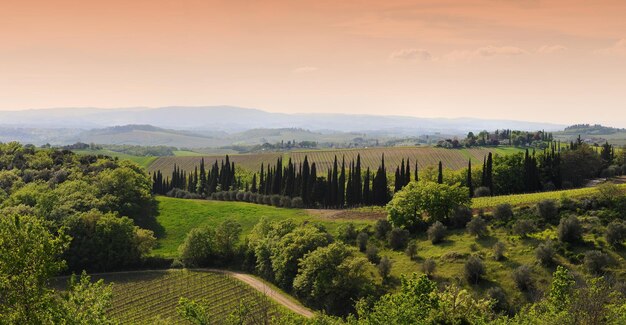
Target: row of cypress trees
[{"x": 202, "y": 181}]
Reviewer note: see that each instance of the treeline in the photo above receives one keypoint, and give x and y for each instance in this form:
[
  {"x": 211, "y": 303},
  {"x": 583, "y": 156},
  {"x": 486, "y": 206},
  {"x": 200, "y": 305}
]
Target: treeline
[
  {"x": 344, "y": 185},
  {"x": 98, "y": 201},
  {"x": 517, "y": 138},
  {"x": 142, "y": 151}
]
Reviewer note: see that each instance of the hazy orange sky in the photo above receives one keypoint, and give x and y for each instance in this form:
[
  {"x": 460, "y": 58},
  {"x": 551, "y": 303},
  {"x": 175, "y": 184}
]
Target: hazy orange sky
[{"x": 558, "y": 61}]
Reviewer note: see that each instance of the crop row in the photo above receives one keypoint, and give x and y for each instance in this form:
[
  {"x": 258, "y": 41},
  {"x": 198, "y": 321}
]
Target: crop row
[{"x": 139, "y": 300}]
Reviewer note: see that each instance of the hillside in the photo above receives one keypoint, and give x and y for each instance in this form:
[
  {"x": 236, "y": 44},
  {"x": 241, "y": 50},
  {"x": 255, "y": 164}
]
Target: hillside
[{"x": 593, "y": 134}]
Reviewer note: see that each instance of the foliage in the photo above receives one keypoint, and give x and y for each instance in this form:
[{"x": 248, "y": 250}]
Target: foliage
[
  {"x": 199, "y": 248},
  {"x": 381, "y": 228},
  {"x": 372, "y": 254},
  {"x": 545, "y": 253},
  {"x": 384, "y": 267},
  {"x": 522, "y": 276},
  {"x": 498, "y": 251},
  {"x": 362, "y": 239},
  {"x": 425, "y": 201},
  {"x": 437, "y": 232},
  {"x": 474, "y": 269},
  {"x": 570, "y": 230},
  {"x": 477, "y": 227},
  {"x": 548, "y": 210},
  {"x": 523, "y": 227},
  {"x": 397, "y": 238},
  {"x": 615, "y": 232},
  {"x": 411, "y": 249},
  {"x": 428, "y": 267},
  {"x": 595, "y": 261},
  {"x": 503, "y": 212},
  {"x": 331, "y": 277}
]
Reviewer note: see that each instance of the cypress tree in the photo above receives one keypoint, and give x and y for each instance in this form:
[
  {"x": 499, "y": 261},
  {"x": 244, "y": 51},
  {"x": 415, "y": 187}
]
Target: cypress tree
[
  {"x": 407, "y": 173},
  {"x": 398, "y": 180},
  {"x": 356, "y": 179},
  {"x": 341, "y": 197},
  {"x": 440, "y": 176},
  {"x": 335, "y": 184},
  {"x": 305, "y": 190},
  {"x": 253, "y": 188},
  {"x": 469, "y": 178},
  {"x": 489, "y": 175},
  {"x": 416, "y": 176}
]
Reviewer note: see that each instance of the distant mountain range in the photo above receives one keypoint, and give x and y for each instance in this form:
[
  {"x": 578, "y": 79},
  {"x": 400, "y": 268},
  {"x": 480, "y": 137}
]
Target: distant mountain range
[
  {"x": 214, "y": 126},
  {"x": 237, "y": 119}
]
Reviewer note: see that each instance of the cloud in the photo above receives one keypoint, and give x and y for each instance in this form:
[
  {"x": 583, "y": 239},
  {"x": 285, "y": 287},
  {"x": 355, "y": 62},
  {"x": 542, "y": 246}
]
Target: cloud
[
  {"x": 619, "y": 49},
  {"x": 411, "y": 55},
  {"x": 486, "y": 52},
  {"x": 550, "y": 49},
  {"x": 306, "y": 69}
]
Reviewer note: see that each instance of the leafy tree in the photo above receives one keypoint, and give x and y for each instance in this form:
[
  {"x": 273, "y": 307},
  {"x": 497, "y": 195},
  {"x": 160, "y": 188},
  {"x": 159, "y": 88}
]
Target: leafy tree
[
  {"x": 548, "y": 210},
  {"x": 522, "y": 276},
  {"x": 291, "y": 248},
  {"x": 425, "y": 201},
  {"x": 428, "y": 267},
  {"x": 398, "y": 238},
  {"x": 523, "y": 227},
  {"x": 545, "y": 253},
  {"x": 29, "y": 259},
  {"x": 199, "y": 248},
  {"x": 361, "y": 240},
  {"x": 226, "y": 238},
  {"x": 595, "y": 261},
  {"x": 381, "y": 228},
  {"x": 330, "y": 278},
  {"x": 411, "y": 249},
  {"x": 615, "y": 233},
  {"x": 503, "y": 212},
  {"x": 498, "y": 251}
]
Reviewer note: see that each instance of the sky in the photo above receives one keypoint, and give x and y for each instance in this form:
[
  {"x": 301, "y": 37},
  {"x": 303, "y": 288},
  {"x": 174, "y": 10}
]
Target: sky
[{"x": 561, "y": 61}]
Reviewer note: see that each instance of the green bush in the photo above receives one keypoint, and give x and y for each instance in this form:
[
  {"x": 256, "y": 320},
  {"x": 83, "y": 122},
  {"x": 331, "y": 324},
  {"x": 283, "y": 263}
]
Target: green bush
[
  {"x": 474, "y": 270},
  {"x": 595, "y": 261},
  {"x": 503, "y": 212},
  {"x": 570, "y": 230},
  {"x": 429, "y": 266},
  {"x": 545, "y": 253},
  {"x": 361, "y": 240},
  {"x": 398, "y": 238},
  {"x": 523, "y": 227},
  {"x": 436, "y": 232},
  {"x": 548, "y": 210},
  {"x": 498, "y": 251},
  {"x": 477, "y": 227},
  {"x": 381, "y": 228},
  {"x": 615, "y": 233},
  {"x": 372, "y": 254},
  {"x": 522, "y": 276},
  {"x": 411, "y": 249}
]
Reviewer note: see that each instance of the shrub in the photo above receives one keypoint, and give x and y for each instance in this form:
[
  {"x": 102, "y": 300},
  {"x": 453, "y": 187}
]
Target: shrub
[
  {"x": 499, "y": 298},
  {"x": 436, "y": 232},
  {"x": 615, "y": 233},
  {"x": 347, "y": 233},
  {"x": 285, "y": 202},
  {"x": 548, "y": 210},
  {"x": 545, "y": 253},
  {"x": 240, "y": 196},
  {"x": 477, "y": 227},
  {"x": 372, "y": 254},
  {"x": 252, "y": 198},
  {"x": 260, "y": 199},
  {"x": 361, "y": 240},
  {"x": 246, "y": 196},
  {"x": 232, "y": 195},
  {"x": 498, "y": 251},
  {"x": 595, "y": 262},
  {"x": 411, "y": 249},
  {"x": 275, "y": 200},
  {"x": 523, "y": 227},
  {"x": 384, "y": 267},
  {"x": 474, "y": 269},
  {"x": 428, "y": 267},
  {"x": 297, "y": 203},
  {"x": 522, "y": 276},
  {"x": 482, "y": 191},
  {"x": 267, "y": 199},
  {"x": 570, "y": 230},
  {"x": 461, "y": 216},
  {"x": 503, "y": 212},
  {"x": 382, "y": 227},
  {"x": 398, "y": 238}
]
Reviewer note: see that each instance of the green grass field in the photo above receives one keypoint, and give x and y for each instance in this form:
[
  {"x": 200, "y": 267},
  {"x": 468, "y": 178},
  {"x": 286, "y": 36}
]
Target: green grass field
[
  {"x": 533, "y": 198},
  {"x": 145, "y": 297},
  {"x": 179, "y": 216}
]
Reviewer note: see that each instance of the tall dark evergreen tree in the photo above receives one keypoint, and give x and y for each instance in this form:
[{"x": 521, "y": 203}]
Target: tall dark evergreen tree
[
  {"x": 440, "y": 175},
  {"x": 470, "y": 185}
]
